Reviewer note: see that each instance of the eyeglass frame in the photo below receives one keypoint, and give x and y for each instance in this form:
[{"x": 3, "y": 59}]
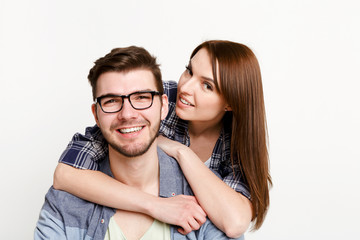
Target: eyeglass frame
[{"x": 153, "y": 93}]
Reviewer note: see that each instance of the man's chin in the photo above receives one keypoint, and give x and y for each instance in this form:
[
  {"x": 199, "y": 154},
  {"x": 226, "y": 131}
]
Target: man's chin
[
  {"x": 132, "y": 154},
  {"x": 133, "y": 151}
]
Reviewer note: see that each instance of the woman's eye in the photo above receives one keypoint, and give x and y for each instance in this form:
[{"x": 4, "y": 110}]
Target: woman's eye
[{"x": 208, "y": 86}]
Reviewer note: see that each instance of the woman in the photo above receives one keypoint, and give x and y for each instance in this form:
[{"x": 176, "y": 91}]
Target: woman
[{"x": 220, "y": 117}]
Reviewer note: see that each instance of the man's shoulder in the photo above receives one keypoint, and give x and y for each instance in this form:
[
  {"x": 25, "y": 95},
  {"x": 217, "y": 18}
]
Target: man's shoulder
[
  {"x": 61, "y": 196},
  {"x": 71, "y": 210},
  {"x": 169, "y": 164},
  {"x": 64, "y": 214},
  {"x": 63, "y": 203},
  {"x": 172, "y": 179}
]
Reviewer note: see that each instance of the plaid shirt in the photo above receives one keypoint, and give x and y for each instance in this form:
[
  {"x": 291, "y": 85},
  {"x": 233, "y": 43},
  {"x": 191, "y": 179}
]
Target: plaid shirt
[{"x": 84, "y": 151}]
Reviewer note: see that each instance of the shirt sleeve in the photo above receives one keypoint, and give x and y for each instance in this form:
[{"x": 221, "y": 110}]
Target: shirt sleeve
[
  {"x": 236, "y": 182},
  {"x": 84, "y": 151},
  {"x": 49, "y": 227},
  {"x": 170, "y": 89},
  {"x": 209, "y": 231},
  {"x": 231, "y": 175},
  {"x": 167, "y": 128}
]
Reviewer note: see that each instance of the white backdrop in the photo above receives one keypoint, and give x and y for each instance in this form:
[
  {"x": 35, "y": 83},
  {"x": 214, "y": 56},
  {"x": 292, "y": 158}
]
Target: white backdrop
[{"x": 309, "y": 55}]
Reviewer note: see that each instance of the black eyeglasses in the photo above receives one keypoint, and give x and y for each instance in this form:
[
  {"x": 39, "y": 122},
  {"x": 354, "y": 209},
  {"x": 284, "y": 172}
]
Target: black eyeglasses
[{"x": 138, "y": 100}]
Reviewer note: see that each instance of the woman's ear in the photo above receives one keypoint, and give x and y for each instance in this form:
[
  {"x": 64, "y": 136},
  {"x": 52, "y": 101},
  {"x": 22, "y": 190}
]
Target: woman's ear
[{"x": 228, "y": 108}]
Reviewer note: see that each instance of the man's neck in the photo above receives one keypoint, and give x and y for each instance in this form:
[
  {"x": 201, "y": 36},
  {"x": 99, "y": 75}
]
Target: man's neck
[{"x": 141, "y": 172}]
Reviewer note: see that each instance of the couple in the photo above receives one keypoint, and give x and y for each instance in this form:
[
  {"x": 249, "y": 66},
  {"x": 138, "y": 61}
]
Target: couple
[{"x": 219, "y": 97}]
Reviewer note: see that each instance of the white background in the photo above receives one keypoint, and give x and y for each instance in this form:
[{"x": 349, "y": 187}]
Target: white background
[{"x": 309, "y": 55}]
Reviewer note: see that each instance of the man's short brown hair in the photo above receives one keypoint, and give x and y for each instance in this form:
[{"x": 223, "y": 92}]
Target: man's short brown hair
[{"x": 124, "y": 60}]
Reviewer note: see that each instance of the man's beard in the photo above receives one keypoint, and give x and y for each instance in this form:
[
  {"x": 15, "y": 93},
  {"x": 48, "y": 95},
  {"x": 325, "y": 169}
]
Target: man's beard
[
  {"x": 138, "y": 149},
  {"x": 133, "y": 152}
]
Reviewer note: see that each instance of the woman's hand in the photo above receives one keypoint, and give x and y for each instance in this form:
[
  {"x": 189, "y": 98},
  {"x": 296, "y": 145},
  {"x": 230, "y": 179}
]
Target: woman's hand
[
  {"x": 183, "y": 211},
  {"x": 230, "y": 211}
]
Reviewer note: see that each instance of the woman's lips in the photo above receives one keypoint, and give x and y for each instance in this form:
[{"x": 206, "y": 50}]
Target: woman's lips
[{"x": 186, "y": 102}]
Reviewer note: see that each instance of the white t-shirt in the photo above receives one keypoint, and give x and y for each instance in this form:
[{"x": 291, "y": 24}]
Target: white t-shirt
[{"x": 158, "y": 230}]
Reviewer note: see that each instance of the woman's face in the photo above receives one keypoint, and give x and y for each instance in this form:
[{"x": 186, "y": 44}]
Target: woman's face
[{"x": 197, "y": 97}]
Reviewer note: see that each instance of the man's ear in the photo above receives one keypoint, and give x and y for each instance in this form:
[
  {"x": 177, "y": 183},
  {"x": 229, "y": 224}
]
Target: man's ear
[
  {"x": 164, "y": 107},
  {"x": 94, "y": 112}
]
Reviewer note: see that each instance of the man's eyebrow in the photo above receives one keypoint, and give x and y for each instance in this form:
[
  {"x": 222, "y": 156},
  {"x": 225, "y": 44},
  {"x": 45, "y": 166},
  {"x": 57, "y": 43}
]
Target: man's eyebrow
[
  {"x": 109, "y": 95},
  {"x": 117, "y": 94}
]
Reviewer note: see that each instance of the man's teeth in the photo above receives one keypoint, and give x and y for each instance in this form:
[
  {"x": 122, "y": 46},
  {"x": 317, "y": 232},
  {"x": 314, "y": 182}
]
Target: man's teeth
[
  {"x": 185, "y": 102},
  {"x": 130, "y": 130}
]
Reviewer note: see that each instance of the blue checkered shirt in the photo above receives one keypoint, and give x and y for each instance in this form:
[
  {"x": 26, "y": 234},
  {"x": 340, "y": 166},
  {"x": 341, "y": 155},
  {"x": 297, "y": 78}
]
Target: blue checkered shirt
[{"x": 84, "y": 151}]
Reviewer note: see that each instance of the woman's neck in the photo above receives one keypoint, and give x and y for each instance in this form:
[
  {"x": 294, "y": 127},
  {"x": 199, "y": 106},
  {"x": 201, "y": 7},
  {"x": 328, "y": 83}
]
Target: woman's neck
[
  {"x": 201, "y": 129},
  {"x": 203, "y": 138}
]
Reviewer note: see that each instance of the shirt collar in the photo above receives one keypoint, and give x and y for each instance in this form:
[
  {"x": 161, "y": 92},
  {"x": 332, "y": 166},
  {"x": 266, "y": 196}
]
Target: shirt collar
[{"x": 172, "y": 180}]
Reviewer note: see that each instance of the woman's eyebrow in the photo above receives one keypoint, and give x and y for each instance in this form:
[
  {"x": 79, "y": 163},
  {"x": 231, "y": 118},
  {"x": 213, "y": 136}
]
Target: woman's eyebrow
[
  {"x": 203, "y": 77},
  {"x": 208, "y": 79}
]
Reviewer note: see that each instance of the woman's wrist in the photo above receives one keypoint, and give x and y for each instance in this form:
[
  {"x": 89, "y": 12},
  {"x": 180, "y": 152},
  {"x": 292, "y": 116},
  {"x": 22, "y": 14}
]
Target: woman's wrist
[
  {"x": 149, "y": 205},
  {"x": 184, "y": 154}
]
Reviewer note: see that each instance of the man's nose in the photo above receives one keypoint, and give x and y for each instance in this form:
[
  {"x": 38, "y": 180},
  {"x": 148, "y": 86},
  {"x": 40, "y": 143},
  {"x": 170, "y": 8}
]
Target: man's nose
[{"x": 127, "y": 111}]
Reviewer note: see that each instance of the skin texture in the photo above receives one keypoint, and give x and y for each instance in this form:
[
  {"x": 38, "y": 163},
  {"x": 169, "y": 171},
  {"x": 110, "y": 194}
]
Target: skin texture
[
  {"x": 196, "y": 87},
  {"x": 183, "y": 211},
  {"x": 97, "y": 187},
  {"x": 131, "y": 134},
  {"x": 115, "y": 126},
  {"x": 228, "y": 210},
  {"x": 201, "y": 104}
]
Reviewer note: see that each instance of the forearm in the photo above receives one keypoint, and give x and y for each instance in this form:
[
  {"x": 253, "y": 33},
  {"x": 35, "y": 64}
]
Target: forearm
[
  {"x": 230, "y": 211},
  {"x": 97, "y": 187}
]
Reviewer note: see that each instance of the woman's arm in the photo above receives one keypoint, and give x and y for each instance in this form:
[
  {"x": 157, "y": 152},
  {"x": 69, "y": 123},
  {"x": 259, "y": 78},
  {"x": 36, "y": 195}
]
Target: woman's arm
[
  {"x": 84, "y": 151},
  {"x": 230, "y": 211},
  {"x": 97, "y": 187}
]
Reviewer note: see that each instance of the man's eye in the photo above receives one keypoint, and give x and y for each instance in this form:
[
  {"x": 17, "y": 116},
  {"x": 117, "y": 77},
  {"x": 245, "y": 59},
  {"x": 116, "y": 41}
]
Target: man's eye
[
  {"x": 144, "y": 96},
  {"x": 109, "y": 101},
  {"x": 139, "y": 97}
]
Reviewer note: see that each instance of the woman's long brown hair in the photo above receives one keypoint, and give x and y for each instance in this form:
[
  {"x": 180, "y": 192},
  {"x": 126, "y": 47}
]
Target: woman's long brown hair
[{"x": 241, "y": 86}]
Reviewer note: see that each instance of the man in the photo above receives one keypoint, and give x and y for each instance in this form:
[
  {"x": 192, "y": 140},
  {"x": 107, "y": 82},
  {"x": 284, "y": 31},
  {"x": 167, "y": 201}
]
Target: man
[{"x": 129, "y": 105}]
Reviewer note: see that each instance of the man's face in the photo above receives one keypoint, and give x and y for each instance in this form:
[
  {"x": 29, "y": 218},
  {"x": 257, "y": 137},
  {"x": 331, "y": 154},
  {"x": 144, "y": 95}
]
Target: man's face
[{"x": 130, "y": 132}]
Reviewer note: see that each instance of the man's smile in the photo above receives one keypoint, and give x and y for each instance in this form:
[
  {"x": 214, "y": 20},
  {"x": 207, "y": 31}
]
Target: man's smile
[{"x": 130, "y": 130}]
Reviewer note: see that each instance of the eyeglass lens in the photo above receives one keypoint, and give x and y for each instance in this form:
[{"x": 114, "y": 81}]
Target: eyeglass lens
[{"x": 139, "y": 100}]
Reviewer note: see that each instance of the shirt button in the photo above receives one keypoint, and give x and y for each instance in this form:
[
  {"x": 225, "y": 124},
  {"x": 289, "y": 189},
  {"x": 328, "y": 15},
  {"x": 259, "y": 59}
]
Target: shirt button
[
  {"x": 173, "y": 194},
  {"x": 102, "y": 221}
]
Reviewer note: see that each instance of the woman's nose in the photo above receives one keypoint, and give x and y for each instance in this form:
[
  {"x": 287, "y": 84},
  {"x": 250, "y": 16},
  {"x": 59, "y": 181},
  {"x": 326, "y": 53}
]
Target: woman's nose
[{"x": 187, "y": 85}]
